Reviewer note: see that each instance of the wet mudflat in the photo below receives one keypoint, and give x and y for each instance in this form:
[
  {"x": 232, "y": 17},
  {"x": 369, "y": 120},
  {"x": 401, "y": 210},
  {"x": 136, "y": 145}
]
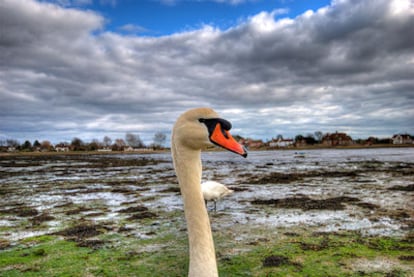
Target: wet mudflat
[{"x": 116, "y": 201}]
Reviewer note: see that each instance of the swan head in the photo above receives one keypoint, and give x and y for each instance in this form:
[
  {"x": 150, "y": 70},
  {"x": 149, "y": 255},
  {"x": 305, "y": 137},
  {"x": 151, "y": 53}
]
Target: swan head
[{"x": 203, "y": 127}]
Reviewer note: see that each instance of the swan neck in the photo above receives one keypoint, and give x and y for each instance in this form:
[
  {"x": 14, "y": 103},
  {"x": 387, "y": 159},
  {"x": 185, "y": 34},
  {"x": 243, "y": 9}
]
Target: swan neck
[{"x": 187, "y": 163}]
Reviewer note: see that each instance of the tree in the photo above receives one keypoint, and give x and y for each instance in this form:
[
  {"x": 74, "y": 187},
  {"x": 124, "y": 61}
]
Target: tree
[
  {"x": 77, "y": 144},
  {"x": 299, "y": 138},
  {"x": 46, "y": 145},
  {"x": 119, "y": 145},
  {"x": 94, "y": 145},
  {"x": 12, "y": 143},
  {"x": 26, "y": 146},
  {"x": 310, "y": 139},
  {"x": 107, "y": 141},
  {"x": 318, "y": 136},
  {"x": 36, "y": 144},
  {"x": 134, "y": 140},
  {"x": 159, "y": 140}
]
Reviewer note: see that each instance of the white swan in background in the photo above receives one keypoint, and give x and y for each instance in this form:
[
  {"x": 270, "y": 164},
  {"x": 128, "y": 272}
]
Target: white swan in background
[
  {"x": 193, "y": 131},
  {"x": 213, "y": 191}
]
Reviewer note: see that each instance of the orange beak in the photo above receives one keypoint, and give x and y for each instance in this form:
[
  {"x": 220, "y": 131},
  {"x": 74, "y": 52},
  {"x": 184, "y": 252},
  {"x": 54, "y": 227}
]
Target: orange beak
[{"x": 223, "y": 138}]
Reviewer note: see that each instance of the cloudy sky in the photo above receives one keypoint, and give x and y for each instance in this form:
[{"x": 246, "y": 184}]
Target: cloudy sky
[{"x": 95, "y": 68}]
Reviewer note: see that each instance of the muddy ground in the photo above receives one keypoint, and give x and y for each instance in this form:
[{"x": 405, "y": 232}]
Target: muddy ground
[{"x": 81, "y": 197}]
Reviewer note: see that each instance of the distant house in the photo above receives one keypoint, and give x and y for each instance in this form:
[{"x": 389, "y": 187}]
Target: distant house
[
  {"x": 128, "y": 149},
  {"x": 402, "y": 139},
  {"x": 131, "y": 149},
  {"x": 105, "y": 149},
  {"x": 337, "y": 139},
  {"x": 250, "y": 143},
  {"x": 281, "y": 143},
  {"x": 62, "y": 147}
]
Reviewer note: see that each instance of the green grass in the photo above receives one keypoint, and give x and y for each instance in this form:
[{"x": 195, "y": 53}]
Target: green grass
[
  {"x": 53, "y": 256},
  {"x": 306, "y": 254}
]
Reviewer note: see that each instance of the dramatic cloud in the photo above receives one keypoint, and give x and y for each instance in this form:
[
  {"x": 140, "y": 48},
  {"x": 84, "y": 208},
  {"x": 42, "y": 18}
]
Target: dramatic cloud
[{"x": 347, "y": 67}]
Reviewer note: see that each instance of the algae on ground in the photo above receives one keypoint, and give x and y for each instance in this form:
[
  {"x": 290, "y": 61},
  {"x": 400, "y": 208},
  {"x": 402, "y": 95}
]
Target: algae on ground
[{"x": 297, "y": 253}]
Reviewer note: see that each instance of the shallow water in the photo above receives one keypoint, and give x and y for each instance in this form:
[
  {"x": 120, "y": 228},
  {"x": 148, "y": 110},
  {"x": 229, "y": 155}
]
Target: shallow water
[{"x": 42, "y": 194}]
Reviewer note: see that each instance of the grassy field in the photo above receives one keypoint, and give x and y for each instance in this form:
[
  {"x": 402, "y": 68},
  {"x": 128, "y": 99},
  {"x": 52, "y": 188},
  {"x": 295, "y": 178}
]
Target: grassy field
[{"x": 289, "y": 254}]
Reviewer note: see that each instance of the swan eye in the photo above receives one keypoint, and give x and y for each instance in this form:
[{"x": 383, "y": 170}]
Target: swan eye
[
  {"x": 226, "y": 125},
  {"x": 212, "y": 122}
]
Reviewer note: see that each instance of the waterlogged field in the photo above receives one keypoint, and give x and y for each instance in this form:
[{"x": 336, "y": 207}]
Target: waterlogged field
[{"x": 314, "y": 213}]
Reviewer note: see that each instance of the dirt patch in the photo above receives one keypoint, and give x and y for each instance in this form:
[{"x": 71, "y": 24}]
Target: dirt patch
[
  {"x": 366, "y": 205},
  {"x": 142, "y": 215},
  {"x": 238, "y": 189},
  {"x": 95, "y": 215},
  {"x": 333, "y": 174},
  {"x": 37, "y": 220},
  {"x": 285, "y": 178},
  {"x": 138, "y": 212},
  {"x": 64, "y": 205},
  {"x": 121, "y": 183},
  {"x": 276, "y": 178},
  {"x": 81, "y": 231},
  {"x": 291, "y": 234},
  {"x": 93, "y": 244},
  {"x": 82, "y": 234},
  {"x": 171, "y": 190},
  {"x": 122, "y": 190},
  {"x": 275, "y": 261},
  {"x": 306, "y": 203},
  {"x": 400, "y": 214},
  {"x": 134, "y": 209},
  {"x": 23, "y": 211},
  {"x": 406, "y": 258},
  {"x": 4, "y": 244},
  {"x": 324, "y": 244},
  {"x": 77, "y": 211},
  {"x": 124, "y": 229},
  {"x": 410, "y": 187}
]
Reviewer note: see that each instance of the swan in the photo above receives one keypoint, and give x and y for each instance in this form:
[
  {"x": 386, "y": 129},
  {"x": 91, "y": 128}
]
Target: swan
[
  {"x": 193, "y": 131},
  {"x": 214, "y": 191}
]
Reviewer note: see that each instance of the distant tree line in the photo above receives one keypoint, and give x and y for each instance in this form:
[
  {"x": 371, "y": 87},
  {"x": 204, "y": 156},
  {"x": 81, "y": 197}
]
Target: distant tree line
[
  {"x": 321, "y": 139},
  {"x": 131, "y": 141}
]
